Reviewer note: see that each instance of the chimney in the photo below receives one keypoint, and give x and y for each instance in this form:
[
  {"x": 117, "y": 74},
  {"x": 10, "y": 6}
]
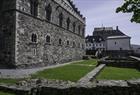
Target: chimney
[{"x": 117, "y": 28}]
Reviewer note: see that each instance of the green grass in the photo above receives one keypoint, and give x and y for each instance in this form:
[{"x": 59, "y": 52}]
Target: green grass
[
  {"x": 10, "y": 81},
  {"x": 5, "y": 93},
  {"x": 70, "y": 72},
  {"x": 114, "y": 73}
]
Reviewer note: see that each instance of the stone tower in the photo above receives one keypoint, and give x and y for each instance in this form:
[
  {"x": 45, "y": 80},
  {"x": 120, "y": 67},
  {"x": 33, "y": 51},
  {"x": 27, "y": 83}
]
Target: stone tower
[{"x": 40, "y": 33}]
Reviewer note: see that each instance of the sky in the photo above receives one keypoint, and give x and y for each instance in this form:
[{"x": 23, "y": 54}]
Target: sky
[{"x": 100, "y": 13}]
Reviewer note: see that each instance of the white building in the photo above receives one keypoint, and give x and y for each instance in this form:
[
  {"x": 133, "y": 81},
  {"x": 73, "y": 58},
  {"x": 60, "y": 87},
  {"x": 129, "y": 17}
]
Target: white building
[
  {"x": 106, "y": 38},
  {"x": 118, "y": 43}
]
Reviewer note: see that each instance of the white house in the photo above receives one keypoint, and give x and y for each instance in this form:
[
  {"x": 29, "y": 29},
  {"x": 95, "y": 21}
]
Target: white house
[
  {"x": 107, "y": 38},
  {"x": 118, "y": 43}
]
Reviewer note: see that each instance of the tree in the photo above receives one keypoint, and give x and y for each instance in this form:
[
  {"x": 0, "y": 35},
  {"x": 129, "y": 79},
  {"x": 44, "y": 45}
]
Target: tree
[{"x": 131, "y": 6}]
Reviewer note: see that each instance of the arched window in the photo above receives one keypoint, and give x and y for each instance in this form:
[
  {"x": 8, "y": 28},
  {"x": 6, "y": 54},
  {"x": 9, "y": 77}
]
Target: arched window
[
  {"x": 48, "y": 39},
  {"x": 60, "y": 19},
  {"x": 68, "y": 23},
  {"x": 60, "y": 42},
  {"x": 34, "y": 38},
  {"x": 34, "y": 7},
  {"x": 48, "y": 12},
  {"x": 74, "y": 25},
  {"x": 79, "y": 29}
]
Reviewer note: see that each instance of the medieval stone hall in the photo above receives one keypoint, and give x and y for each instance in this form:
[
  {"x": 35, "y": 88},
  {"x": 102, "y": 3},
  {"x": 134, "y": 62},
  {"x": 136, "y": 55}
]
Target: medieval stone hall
[{"x": 40, "y": 33}]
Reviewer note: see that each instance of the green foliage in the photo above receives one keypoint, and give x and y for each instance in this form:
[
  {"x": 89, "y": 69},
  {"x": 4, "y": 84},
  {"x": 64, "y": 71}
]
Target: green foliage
[
  {"x": 5, "y": 93},
  {"x": 72, "y": 72},
  {"x": 131, "y": 6},
  {"x": 114, "y": 73}
]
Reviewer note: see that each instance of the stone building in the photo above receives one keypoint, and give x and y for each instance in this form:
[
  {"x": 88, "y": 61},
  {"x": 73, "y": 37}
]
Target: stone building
[{"x": 40, "y": 32}]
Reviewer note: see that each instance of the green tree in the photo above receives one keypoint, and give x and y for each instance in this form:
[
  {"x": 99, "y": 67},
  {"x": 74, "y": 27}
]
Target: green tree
[{"x": 131, "y": 6}]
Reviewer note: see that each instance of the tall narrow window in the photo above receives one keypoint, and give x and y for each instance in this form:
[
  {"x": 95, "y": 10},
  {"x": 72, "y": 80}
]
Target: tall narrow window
[
  {"x": 34, "y": 7},
  {"x": 79, "y": 29},
  {"x": 68, "y": 42},
  {"x": 34, "y": 38},
  {"x": 74, "y": 45},
  {"x": 60, "y": 19},
  {"x": 83, "y": 32},
  {"x": 48, "y": 39},
  {"x": 60, "y": 42},
  {"x": 68, "y": 23},
  {"x": 74, "y": 25},
  {"x": 48, "y": 12}
]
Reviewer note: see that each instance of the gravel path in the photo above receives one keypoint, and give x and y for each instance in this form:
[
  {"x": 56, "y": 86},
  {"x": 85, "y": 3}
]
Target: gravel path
[{"x": 24, "y": 73}]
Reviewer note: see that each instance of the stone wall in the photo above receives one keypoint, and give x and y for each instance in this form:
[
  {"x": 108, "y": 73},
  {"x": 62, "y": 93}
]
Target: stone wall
[
  {"x": 25, "y": 53},
  {"x": 55, "y": 87},
  {"x": 7, "y": 33}
]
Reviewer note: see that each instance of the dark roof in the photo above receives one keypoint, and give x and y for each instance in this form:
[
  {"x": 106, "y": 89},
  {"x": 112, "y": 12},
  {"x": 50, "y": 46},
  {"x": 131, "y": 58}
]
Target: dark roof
[
  {"x": 106, "y": 33},
  {"x": 94, "y": 39}
]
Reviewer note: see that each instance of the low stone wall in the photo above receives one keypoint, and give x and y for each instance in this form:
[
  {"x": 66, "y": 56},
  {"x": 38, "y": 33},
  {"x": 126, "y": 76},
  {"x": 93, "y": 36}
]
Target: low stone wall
[
  {"x": 130, "y": 63},
  {"x": 55, "y": 87}
]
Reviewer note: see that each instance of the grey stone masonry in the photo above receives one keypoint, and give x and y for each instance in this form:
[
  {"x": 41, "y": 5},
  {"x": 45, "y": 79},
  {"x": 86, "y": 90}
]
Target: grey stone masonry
[{"x": 40, "y": 33}]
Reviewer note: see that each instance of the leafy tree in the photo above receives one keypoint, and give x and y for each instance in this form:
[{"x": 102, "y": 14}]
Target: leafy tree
[{"x": 131, "y": 6}]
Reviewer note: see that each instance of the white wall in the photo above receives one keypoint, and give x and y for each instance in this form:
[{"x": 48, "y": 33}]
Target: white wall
[{"x": 118, "y": 43}]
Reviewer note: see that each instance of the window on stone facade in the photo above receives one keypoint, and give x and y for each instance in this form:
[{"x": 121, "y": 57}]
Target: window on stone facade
[
  {"x": 79, "y": 29},
  {"x": 83, "y": 32},
  {"x": 48, "y": 39},
  {"x": 68, "y": 43},
  {"x": 60, "y": 41},
  {"x": 74, "y": 25},
  {"x": 48, "y": 12},
  {"x": 74, "y": 45},
  {"x": 34, "y": 38},
  {"x": 60, "y": 19},
  {"x": 115, "y": 43},
  {"x": 34, "y": 7},
  {"x": 34, "y": 52},
  {"x": 68, "y": 23}
]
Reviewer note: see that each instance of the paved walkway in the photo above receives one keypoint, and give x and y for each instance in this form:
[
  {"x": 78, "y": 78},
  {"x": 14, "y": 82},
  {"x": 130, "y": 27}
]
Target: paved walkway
[
  {"x": 137, "y": 58},
  {"x": 24, "y": 73},
  {"x": 91, "y": 75}
]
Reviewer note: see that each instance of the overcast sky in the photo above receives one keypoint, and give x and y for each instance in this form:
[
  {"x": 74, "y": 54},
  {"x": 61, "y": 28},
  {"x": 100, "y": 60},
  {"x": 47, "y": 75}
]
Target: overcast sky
[{"x": 102, "y": 12}]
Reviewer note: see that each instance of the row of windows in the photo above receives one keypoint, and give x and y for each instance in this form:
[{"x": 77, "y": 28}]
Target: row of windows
[
  {"x": 34, "y": 12},
  {"x": 48, "y": 40}
]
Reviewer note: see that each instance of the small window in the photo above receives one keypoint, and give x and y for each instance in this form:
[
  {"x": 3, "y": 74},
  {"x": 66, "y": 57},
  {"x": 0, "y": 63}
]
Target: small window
[
  {"x": 74, "y": 45},
  {"x": 60, "y": 42},
  {"x": 34, "y": 51},
  {"x": 74, "y": 25},
  {"x": 34, "y": 7},
  {"x": 48, "y": 39},
  {"x": 61, "y": 19},
  {"x": 115, "y": 43},
  {"x": 48, "y": 12},
  {"x": 79, "y": 29},
  {"x": 34, "y": 38},
  {"x": 68, "y": 43},
  {"x": 68, "y": 23}
]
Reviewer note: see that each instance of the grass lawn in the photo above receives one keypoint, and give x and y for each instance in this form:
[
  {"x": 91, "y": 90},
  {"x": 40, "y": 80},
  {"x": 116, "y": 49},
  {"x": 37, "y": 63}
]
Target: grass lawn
[
  {"x": 4, "y": 93},
  {"x": 70, "y": 72},
  {"x": 114, "y": 73},
  {"x": 10, "y": 81}
]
